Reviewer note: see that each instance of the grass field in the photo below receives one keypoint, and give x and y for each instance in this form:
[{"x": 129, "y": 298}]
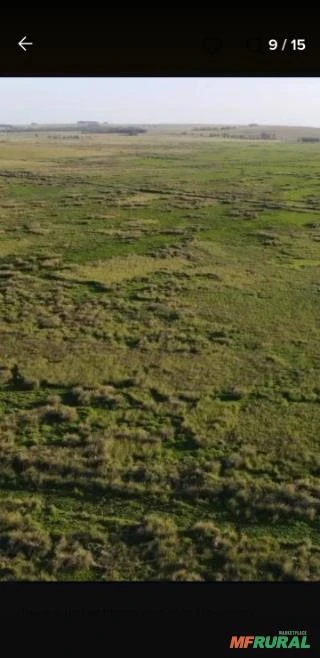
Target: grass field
[{"x": 159, "y": 358}]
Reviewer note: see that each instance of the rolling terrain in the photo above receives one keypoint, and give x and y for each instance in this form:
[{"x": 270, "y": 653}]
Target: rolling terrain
[{"x": 159, "y": 357}]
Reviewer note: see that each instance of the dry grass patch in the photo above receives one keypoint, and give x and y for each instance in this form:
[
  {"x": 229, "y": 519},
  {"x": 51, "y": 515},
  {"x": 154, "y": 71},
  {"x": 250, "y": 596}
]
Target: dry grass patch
[{"x": 124, "y": 268}]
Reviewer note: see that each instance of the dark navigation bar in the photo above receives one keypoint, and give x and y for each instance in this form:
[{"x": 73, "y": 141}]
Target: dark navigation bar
[{"x": 117, "y": 48}]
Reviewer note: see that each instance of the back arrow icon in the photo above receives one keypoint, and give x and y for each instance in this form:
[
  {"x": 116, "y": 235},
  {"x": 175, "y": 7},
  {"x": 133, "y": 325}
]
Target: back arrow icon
[{"x": 24, "y": 43}]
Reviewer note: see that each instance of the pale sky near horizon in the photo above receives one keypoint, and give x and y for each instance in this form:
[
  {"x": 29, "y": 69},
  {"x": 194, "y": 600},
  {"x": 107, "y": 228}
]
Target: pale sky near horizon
[{"x": 289, "y": 101}]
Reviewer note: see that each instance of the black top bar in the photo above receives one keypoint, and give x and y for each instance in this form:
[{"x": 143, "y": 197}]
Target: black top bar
[{"x": 113, "y": 48}]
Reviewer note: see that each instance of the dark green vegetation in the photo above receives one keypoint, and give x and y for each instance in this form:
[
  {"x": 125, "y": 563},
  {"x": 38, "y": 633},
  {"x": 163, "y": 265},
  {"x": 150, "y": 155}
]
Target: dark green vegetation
[{"x": 159, "y": 359}]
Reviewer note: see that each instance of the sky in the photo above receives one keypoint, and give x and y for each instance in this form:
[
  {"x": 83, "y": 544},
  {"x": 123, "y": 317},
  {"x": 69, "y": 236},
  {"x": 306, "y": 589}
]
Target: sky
[{"x": 277, "y": 101}]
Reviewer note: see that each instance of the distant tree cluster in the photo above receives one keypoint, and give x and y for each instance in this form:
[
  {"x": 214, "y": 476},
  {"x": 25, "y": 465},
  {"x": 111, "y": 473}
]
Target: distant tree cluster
[
  {"x": 123, "y": 130},
  {"x": 309, "y": 139},
  {"x": 224, "y": 132},
  {"x": 225, "y": 135},
  {"x": 266, "y": 135},
  {"x": 62, "y": 136},
  {"x": 203, "y": 128},
  {"x": 83, "y": 127}
]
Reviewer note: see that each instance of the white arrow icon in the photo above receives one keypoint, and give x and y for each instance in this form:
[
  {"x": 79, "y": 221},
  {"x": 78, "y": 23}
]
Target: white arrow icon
[{"x": 24, "y": 43}]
